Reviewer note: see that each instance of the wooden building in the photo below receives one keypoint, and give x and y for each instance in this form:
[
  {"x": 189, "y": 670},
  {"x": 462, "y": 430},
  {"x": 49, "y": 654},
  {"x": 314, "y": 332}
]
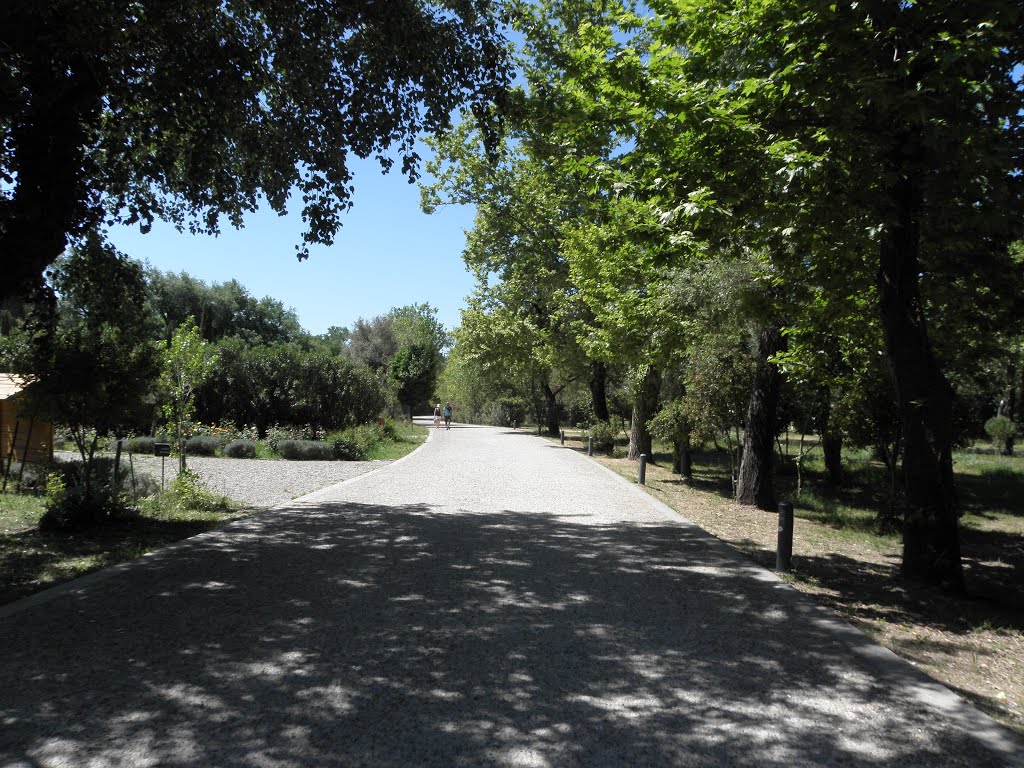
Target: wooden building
[{"x": 21, "y": 436}]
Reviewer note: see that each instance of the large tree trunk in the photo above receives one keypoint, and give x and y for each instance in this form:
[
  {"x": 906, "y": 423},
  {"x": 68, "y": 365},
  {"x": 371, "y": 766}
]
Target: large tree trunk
[
  {"x": 931, "y": 541},
  {"x": 755, "y": 486},
  {"x": 645, "y": 406},
  {"x": 832, "y": 448},
  {"x": 551, "y": 403},
  {"x": 682, "y": 458},
  {"x": 48, "y": 138},
  {"x": 599, "y": 390}
]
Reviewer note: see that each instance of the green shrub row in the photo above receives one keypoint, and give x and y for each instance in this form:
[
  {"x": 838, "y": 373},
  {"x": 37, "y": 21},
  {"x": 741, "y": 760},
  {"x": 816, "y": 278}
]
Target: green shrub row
[
  {"x": 240, "y": 449},
  {"x": 305, "y": 450}
]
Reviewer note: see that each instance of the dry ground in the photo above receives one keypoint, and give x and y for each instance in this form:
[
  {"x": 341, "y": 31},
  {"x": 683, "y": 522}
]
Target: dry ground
[{"x": 973, "y": 645}]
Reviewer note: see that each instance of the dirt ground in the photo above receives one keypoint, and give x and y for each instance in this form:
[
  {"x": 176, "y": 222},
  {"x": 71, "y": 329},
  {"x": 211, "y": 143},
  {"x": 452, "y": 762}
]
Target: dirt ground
[{"x": 973, "y": 645}]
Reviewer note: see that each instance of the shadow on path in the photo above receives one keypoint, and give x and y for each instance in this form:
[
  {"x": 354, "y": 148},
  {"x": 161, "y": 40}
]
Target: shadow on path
[{"x": 351, "y": 634}]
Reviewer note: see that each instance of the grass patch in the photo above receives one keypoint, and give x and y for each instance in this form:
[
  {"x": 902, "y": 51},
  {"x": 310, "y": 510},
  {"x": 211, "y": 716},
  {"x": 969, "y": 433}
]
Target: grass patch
[
  {"x": 411, "y": 437},
  {"x": 19, "y": 511},
  {"x": 31, "y": 560}
]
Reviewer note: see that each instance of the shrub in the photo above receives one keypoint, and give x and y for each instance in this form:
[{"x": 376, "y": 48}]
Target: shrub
[
  {"x": 305, "y": 450},
  {"x": 143, "y": 485},
  {"x": 73, "y": 504},
  {"x": 1000, "y": 429},
  {"x": 144, "y": 445},
  {"x": 141, "y": 444},
  {"x": 189, "y": 489},
  {"x": 604, "y": 436},
  {"x": 32, "y": 476},
  {"x": 278, "y": 434},
  {"x": 357, "y": 443},
  {"x": 202, "y": 445},
  {"x": 387, "y": 430},
  {"x": 349, "y": 445},
  {"x": 240, "y": 449}
]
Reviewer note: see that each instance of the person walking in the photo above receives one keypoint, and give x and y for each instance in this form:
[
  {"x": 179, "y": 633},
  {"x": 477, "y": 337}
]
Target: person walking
[
  {"x": 448, "y": 415},
  {"x": 437, "y": 416}
]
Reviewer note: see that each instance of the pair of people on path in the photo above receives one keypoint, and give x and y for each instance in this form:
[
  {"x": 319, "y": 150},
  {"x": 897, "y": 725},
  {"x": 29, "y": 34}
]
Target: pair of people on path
[{"x": 447, "y": 412}]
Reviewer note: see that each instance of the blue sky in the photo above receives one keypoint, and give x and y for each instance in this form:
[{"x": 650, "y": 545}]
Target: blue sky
[{"x": 387, "y": 254}]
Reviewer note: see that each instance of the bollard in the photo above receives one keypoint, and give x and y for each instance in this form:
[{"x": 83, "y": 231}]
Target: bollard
[
  {"x": 642, "y": 476},
  {"x": 784, "y": 554},
  {"x": 590, "y": 446},
  {"x": 513, "y": 423},
  {"x": 563, "y": 437}
]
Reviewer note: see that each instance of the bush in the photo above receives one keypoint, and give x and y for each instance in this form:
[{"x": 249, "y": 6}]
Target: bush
[
  {"x": 345, "y": 446},
  {"x": 240, "y": 449},
  {"x": 278, "y": 434},
  {"x": 189, "y": 489},
  {"x": 202, "y": 445},
  {"x": 71, "y": 504},
  {"x": 604, "y": 435},
  {"x": 357, "y": 443},
  {"x": 143, "y": 485},
  {"x": 33, "y": 476},
  {"x": 142, "y": 445},
  {"x": 305, "y": 450},
  {"x": 387, "y": 429},
  {"x": 1000, "y": 428}
]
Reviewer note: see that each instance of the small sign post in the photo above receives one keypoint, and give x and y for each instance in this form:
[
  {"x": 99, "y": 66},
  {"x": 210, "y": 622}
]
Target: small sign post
[{"x": 163, "y": 450}]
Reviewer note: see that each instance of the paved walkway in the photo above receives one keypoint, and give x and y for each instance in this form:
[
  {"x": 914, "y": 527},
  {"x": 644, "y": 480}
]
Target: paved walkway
[{"x": 491, "y": 600}]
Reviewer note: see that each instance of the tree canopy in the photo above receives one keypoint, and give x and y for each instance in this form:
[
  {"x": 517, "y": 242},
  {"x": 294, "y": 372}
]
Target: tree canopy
[{"x": 198, "y": 111}]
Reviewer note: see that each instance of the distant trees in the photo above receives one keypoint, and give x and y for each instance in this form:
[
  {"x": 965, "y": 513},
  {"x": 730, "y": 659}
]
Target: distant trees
[
  {"x": 407, "y": 346},
  {"x": 220, "y": 309},
  {"x": 97, "y": 342}
]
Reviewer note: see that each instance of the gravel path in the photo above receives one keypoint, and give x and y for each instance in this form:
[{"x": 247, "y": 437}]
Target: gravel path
[
  {"x": 260, "y": 483},
  {"x": 491, "y": 600}
]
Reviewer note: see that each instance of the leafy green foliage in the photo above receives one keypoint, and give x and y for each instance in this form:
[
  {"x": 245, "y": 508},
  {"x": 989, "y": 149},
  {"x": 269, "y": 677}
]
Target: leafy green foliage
[
  {"x": 240, "y": 449},
  {"x": 190, "y": 491},
  {"x": 92, "y": 365},
  {"x": 220, "y": 310},
  {"x": 81, "y": 495},
  {"x": 187, "y": 361},
  {"x": 361, "y": 442},
  {"x": 1000, "y": 429},
  {"x": 604, "y": 435},
  {"x": 200, "y": 113},
  {"x": 202, "y": 445},
  {"x": 305, "y": 450}
]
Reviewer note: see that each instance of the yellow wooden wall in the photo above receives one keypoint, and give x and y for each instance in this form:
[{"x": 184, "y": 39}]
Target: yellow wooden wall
[{"x": 36, "y": 447}]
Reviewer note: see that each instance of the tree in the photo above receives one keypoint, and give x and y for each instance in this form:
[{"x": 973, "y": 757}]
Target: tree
[
  {"x": 413, "y": 369},
  {"x": 406, "y": 346},
  {"x": 886, "y": 95},
  {"x": 91, "y": 357},
  {"x": 220, "y": 310},
  {"x": 372, "y": 343},
  {"x": 187, "y": 361},
  {"x": 199, "y": 110},
  {"x": 824, "y": 132}
]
